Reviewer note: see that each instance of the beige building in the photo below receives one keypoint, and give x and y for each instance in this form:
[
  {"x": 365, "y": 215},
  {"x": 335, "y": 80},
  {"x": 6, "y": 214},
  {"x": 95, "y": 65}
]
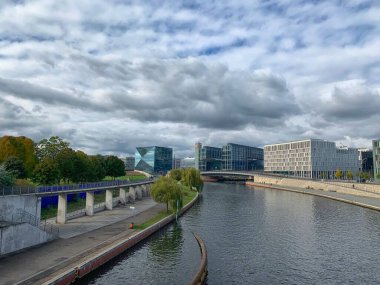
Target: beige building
[{"x": 311, "y": 158}]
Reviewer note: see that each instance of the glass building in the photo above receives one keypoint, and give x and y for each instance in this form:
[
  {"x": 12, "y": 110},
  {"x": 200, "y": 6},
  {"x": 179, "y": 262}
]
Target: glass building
[
  {"x": 130, "y": 163},
  {"x": 242, "y": 158},
  {"x": 376, "y": 159},
  {"x": 230, "y": 157},
  {"x": 207, "y": 157},
  {"x": 154, "y": 159}
]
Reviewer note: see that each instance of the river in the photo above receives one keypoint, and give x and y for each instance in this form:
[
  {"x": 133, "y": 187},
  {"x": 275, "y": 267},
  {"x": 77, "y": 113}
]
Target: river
[{"x": 257, "y": 236}]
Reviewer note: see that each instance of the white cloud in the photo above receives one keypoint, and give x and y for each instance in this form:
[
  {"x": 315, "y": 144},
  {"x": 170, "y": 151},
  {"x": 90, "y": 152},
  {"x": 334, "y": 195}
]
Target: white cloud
[{"x": 244, "y": 71}]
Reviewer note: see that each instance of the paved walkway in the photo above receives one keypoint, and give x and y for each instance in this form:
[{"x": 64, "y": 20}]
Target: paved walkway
[
  {"x": 373, "y": 203},
  {"x": 78, "y": 240}
]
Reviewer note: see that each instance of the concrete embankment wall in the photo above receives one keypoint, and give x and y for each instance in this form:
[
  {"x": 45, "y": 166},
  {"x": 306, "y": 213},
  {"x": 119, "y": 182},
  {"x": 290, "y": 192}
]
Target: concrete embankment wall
[
  {"x": 98, "y": 259},
  {"x": 9, "y": 205},
  {"x": 362, "y": 189},
  {"x": 19, "y": 236}
]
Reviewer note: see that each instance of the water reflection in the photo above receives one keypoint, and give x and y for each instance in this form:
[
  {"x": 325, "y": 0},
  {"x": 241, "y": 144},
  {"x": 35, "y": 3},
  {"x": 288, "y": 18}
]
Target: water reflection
[
  {"x": 167, "y": 244},
  {"x": 259, "y": 236}
]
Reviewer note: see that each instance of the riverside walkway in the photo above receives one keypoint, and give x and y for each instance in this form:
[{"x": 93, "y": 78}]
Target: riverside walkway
[
  {"x": 364, "y": 201},
  {"x": 79, "y": 238}
]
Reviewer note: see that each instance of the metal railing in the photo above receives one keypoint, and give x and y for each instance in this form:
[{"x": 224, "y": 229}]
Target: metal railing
[
  {"x": 21, "y": 216},
  {"x": 23, "y": 190}
]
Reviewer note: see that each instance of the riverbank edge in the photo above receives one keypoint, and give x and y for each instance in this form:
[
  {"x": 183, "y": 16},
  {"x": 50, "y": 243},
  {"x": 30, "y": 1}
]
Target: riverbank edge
[
  {"x": 79, "y": 270},
  {"x": 250, "y": 183}
]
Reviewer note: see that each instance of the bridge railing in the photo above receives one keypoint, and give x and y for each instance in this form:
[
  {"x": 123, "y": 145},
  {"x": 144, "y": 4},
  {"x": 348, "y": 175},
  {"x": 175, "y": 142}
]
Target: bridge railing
[{"x": 22, "y": 190}]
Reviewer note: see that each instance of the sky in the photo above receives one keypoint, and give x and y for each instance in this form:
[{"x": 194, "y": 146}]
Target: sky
[{"x": 110, "y": 75}]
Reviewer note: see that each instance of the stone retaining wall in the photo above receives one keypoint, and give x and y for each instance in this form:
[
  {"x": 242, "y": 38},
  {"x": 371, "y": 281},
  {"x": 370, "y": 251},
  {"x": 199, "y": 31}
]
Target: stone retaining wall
[{"x": 360, "y": 189}]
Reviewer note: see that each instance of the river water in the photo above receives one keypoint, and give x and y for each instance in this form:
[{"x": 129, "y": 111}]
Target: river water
[{"x": 257, "y": 236}]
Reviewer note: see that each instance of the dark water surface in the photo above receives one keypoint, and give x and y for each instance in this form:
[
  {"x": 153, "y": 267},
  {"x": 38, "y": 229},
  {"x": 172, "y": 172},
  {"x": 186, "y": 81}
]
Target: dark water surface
[{"x": 257, "y": 237}]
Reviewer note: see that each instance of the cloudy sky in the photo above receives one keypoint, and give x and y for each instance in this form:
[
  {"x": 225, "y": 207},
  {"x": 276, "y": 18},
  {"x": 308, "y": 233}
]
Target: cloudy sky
[{"x": 110, "y": 75}]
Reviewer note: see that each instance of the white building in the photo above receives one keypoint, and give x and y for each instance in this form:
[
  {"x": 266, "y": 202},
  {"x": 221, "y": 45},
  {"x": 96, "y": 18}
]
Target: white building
[{"x": 310, "y": 158}]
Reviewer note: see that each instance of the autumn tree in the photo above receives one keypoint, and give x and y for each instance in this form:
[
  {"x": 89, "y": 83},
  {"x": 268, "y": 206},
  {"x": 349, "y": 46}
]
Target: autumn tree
[
  {"x": 350, "y": 176},
  {"x": 20, "y": 147},
  {"x": 338, "y": 174}
]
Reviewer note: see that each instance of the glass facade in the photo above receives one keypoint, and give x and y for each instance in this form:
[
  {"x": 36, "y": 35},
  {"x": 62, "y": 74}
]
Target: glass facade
[
  {"x": 376, "y": 159},
  {"x": 207, "y": 157},
  {"x": 130, "y": 163},
  {"x": 154, "y": 159},
  {"x": 242, "y": 158},
  {"x": 231, "y": 157}
]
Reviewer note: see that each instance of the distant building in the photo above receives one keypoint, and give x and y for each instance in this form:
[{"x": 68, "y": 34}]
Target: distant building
[
  {"x": 242, "y": 158},
  {"x": 366, "y": 160},
  {"x": 130, "y": 163},
  {"x": 376, "y": 159},
  {"x": 311, "y": 158},
  {"x": 188, "y": 162},
  {"x": 230, "y": 157},
  {"x": 176, "y": 163},
  {"x": 154, "y": 159},
  {"x": 207, "y": 157}
]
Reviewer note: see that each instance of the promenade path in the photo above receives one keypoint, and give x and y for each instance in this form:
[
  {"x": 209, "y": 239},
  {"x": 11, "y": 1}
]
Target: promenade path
[
  {"x": 80, "y": 238},
  {"x": 369, "y": 202}
]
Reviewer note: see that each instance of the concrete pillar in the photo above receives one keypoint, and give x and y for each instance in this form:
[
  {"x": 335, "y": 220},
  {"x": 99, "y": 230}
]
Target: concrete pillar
[
  {"x": 89, "y": 203},
  {"x": 138, "y": 193},
  {"x": 122, "y": 196},
  {"x": 132, "y": 194},
  {"x": 109, "y": 202},
  {"x": 144, "y": 191},
  {"x": 62, "y": 209}
]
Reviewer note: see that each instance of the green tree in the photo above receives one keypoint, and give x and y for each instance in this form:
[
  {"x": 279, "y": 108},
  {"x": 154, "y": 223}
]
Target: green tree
[
  {"x": 378, "y": 176},
  {"x": 338, "y": 174},
  {"x": 6, "y": 178},
  {"x": 176, "y": 174},
  {"x": 46, "y": 172},
  {"x": 98, "y": 163},
  {"x": 20, "y": 147},
  {"x": 114, "y": 166},
  {"x": 191, "y": 177},
  {"x": 166, "y": 190},
  {"x": 66, "y": 164},
  {"x": 50, "y": 148},
  {"x": 350, "y": 175},
  {"x": 366, "y": 176},
  {"x": 15, "y": 166}
]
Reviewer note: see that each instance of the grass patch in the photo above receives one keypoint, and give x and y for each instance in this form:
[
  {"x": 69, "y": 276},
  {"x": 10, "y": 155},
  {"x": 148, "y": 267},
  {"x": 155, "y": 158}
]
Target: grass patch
[
  {"x": 153, "y": 220},
  {"x": 188, "y": 195},
  {"x": 126, "y": 177}
]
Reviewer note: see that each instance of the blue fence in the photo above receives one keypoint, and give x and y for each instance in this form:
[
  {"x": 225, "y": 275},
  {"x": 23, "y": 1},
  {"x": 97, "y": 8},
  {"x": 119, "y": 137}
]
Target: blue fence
[{"x": 21, "y": 190}]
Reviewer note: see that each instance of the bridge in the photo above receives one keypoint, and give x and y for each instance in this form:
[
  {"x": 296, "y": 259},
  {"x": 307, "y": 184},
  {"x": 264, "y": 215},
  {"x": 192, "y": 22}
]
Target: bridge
[
  {"x": 128, "y": 191},
  {"x": 226, "y": 175}
]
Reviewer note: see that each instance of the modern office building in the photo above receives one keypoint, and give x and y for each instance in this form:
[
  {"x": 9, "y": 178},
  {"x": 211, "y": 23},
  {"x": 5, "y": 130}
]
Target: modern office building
[
  {"x": 230, "y": 157},
  {"x": 207, "y": 157},
  {"x": 376, "y": 159},
  {"x": 154, "y": 159},
  {"x": 366, "y": 160},
  {"x": 311, "y": 158},
  {"x": 130, "y": 163},
  {"x": 242, "y": 158}
]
